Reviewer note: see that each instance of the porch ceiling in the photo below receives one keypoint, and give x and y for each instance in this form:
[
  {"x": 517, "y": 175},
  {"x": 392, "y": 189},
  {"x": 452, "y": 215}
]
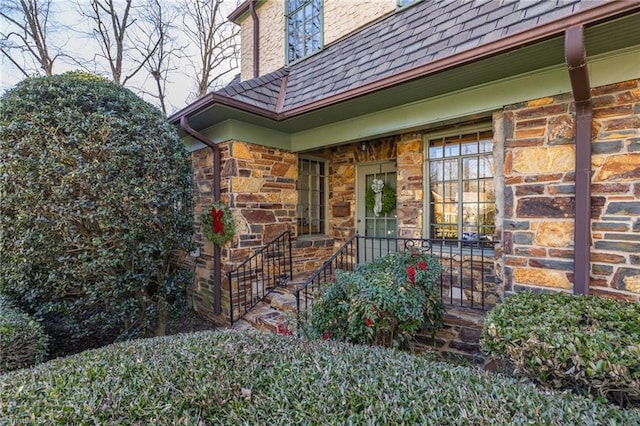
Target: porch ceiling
[{"x": 609, "y": 36}]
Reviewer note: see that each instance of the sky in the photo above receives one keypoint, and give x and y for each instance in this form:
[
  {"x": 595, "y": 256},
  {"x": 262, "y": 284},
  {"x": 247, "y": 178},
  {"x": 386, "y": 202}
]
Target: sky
[{"x": 72, "y": 36}]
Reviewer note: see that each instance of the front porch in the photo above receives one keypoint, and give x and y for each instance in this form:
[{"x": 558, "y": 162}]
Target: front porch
[{"x": 467, "y": 286}]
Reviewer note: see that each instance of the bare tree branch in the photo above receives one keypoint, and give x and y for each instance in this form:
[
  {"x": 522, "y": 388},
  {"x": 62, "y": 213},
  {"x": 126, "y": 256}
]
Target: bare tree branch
[
  {"x": 216, "y": 39},
  {"x": 112, "y": 22},
  {"x": 25, "y": 38},
  {"x": 156, "y": 42}
]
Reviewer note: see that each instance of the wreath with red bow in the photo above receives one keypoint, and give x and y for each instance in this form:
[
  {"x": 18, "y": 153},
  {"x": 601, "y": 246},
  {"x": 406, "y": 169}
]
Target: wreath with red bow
[{"x": 217, "y": 223}]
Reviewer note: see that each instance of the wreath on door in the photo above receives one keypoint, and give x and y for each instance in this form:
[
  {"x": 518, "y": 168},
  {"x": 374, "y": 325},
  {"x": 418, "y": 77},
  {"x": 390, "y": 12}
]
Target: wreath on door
[
  {"x": 386, "y": 194},
  {"x": 217, "y": 223}
]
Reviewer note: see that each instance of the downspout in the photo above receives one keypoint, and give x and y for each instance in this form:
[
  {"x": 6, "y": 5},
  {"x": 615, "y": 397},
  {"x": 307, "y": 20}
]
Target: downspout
[
  {"x": 217, "y": 270},
  {"x": 256, "y": 39},
  {"x": 577, "y": 66}
]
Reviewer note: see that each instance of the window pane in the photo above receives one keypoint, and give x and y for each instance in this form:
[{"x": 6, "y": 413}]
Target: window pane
[
  {"x": 311, "y": 209},
  {"x": 304, "y": 27},
  {"x": 462, "y": 197}
]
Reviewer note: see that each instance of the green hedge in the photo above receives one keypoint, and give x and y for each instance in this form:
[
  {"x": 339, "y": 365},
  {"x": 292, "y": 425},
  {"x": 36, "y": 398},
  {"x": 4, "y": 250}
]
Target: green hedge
[
  {"x": 23, "y": 341},
  {"x": 257, "y": 378},
  {"x": 96, "y": 209},
  {"x": 585, "y": 343}
]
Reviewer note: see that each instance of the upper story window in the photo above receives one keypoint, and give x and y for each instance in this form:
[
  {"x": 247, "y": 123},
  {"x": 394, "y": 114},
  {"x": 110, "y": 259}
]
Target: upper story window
[
  {"x": 462, "y": 200},
  {"x": 304, "y": 28}
]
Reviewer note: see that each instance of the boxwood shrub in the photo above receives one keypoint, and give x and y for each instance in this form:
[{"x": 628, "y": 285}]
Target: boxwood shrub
[
  {"x": 585, "y": 343},
  {"x": 255, "y": 378},
  {"x": 23, "y": 341}
]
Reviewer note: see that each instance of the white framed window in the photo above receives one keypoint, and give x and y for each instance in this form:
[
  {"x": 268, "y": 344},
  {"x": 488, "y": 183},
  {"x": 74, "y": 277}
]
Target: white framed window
[
  {"x": 312, "y": 197},
  {"x": 460, "y": 199},
  {"x": 303, "y": 28}
]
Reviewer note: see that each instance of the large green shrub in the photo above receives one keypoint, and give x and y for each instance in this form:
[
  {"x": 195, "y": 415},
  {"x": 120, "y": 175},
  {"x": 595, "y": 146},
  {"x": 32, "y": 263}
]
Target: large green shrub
[
  {"x": 586, "y": 343},
  {"x": 385, "y": 302},
  {"x": 228, "y": 378},
  {"x": 23, "y": 341},
  {"x": 96, "y": 200}
]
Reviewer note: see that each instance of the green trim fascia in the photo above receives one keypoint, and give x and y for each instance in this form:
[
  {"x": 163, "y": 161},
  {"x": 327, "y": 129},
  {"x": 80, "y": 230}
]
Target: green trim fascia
[
  {"x": 245, "y": 132},
  {"x": 604, "y": 69}
]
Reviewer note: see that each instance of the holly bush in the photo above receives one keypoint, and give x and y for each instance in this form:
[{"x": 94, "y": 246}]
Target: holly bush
[
  {"x": 96, "y": 204},
  {"x": 385, "y": 302}
]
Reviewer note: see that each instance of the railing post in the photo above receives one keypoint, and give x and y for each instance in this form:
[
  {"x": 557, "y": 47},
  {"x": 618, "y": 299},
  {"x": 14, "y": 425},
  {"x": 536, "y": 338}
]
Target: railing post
[
  {"x": 290, "y": 258},
  {"x": 230, "y": 297}
]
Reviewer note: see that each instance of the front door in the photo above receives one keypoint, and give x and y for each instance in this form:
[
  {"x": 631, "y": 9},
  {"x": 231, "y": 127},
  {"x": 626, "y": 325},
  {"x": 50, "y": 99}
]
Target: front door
[{"x": 376, "y": 225}]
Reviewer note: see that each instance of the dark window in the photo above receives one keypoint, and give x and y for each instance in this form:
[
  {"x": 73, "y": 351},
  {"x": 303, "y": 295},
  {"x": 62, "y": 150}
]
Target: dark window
[
  {"x": 304, "y": 28},
  {"x": 462, "y": 196},
  {"x": 311, "y": 210}
]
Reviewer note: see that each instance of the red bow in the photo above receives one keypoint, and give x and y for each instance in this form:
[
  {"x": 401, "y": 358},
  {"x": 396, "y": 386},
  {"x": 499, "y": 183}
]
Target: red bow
[{"x": 217, "y": 221}]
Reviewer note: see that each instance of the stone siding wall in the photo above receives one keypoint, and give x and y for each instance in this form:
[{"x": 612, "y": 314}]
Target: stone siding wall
[
  {"x": 343, "y": 17},
  {"x": 272, "y": 39},
  {"x": 201, "y": 294},
  {"x": 538, "y": 211},
  {"x": 615, "y": 190},
  {"x": 410, "y": 186}
]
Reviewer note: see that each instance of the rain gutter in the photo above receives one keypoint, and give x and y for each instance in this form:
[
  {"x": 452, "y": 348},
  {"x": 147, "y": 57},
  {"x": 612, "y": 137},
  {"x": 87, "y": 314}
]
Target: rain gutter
[
  {"x": 217, "y": 269},
  {"x": 577, "y": 65},
  {"x": 256, "y": 39}
]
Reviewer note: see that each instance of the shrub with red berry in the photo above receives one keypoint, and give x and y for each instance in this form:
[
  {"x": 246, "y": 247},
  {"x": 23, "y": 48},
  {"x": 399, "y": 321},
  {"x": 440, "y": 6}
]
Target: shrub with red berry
[{"x": 385, "y": 302}]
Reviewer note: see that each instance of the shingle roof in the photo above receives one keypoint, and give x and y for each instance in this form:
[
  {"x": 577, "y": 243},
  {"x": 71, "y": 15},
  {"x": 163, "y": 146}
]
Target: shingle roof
[
  {"x": 426, "y": 32},
  {"x": 405, "y": 40},
  {"x": 261, "y": 91}
]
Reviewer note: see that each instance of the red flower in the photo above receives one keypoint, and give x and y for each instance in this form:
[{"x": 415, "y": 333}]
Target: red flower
[
  {"x": 411, "y": 273},
  {"x": 284, "y": 330},
  {"x": 327, "y": 335},
  {"x": 368, "y": 322},
  {"x": 414, "y": 254},
  {"x": 422, "y": 265}
]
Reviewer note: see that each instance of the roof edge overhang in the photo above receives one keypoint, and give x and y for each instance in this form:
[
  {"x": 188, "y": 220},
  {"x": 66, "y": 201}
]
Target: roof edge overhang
[
  {"x": 587, "y": 17},
  {"x": 237, "y": 16}
]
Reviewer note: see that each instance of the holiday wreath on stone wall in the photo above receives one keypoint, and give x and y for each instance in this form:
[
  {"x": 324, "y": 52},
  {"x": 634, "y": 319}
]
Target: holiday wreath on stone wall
[{"x": 217, "y": 223}]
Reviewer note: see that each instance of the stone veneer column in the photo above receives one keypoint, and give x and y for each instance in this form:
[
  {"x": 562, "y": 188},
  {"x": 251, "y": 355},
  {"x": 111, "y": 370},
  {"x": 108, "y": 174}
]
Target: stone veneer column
[
  {"x": 261, "y": 185},
  {"x": 410, "y": 191},
  {"x": 539, "y": 190},
  {"x": 615, "y": 190},
  {"x": 201, "y": 295}
]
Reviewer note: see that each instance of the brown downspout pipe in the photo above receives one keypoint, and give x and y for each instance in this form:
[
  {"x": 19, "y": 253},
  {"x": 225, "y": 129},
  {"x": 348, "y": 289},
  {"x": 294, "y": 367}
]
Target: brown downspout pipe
[
  {"x": 256, "y": 39},
  {"x": 217, "y": 270},
  {"x": 577, "y": 65}
]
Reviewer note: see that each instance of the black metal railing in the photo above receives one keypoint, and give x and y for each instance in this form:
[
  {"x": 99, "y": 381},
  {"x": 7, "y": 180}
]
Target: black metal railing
[
  {"x": 467, "y": 278},
  {"x": 269, "y": 267},
  {"x": 345, "y": 259}
]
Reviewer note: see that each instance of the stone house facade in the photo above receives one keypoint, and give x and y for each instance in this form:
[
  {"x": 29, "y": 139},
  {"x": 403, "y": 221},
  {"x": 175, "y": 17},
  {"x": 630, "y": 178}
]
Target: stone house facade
[{"x": 470, "y": 111}]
